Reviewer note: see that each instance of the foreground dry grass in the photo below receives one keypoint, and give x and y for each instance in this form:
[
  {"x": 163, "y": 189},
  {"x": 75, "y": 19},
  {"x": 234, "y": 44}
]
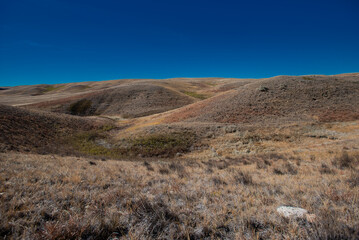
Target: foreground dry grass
[{"x": 52, "y": 197}]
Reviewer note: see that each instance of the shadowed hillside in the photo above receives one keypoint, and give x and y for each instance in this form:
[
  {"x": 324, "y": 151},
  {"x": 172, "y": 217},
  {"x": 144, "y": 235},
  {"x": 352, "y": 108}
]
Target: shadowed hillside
[{"x": 42, "y": 132}]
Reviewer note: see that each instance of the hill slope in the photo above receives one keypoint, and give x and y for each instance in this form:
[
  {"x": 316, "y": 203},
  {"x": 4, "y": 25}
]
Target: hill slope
[
  {"x": 130, "y": 100},
  {"x": 36, "y": 131},
  {"x": 282, "y": 98}
]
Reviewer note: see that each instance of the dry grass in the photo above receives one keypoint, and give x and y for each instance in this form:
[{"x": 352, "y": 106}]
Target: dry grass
[
  {"x": 344, "y": 160},
  {"x": 185, "y": 179},
  {"x": 195, "y": 95},
  {"x": 279, "y": 99},
  {"x": 52, "y": 197}
]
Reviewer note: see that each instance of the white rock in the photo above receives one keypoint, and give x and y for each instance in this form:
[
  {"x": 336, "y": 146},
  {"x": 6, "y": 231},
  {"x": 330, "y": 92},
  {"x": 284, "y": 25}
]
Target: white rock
[{"x": 292, "y": 212}]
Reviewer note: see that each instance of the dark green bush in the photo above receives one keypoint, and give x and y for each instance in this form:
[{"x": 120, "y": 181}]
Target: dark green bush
[
  {"x": 80, "y": 107},
  {"x": 166, "y": 145}
]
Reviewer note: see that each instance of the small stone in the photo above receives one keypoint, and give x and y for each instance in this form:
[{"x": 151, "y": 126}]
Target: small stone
[
  {"x": 287, "y": 211},
  {"x": 294, "y": 212}
]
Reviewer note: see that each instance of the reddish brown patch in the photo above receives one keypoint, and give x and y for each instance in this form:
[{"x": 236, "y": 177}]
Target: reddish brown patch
[
  {"x": 338, "y": 115},
  {"x": 185, "y": 113}
]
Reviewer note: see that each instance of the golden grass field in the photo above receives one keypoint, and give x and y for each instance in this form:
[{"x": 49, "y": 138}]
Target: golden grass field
[{"x": 111, "y": 177}]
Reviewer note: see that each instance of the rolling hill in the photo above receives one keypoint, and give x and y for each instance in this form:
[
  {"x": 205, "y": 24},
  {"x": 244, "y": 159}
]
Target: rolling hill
[{"x": 278, "y": 99}]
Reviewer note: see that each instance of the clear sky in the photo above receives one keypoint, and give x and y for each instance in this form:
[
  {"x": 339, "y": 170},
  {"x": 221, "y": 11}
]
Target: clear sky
[{"x": 57, "y": 41}]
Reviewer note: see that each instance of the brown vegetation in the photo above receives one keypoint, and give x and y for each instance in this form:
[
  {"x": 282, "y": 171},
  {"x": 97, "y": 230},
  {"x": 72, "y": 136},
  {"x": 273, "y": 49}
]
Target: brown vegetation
[
  {"x": 327, "y": 98},
  {"x": 130, "y": 100},
  {"x": 217, "y": 168},
  {"x": 41, "y": 132},
  {"x": 52, "y": 197}
]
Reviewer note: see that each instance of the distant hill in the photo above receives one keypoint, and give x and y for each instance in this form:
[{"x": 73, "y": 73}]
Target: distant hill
[
  {"x": 282, "y": 98},
  {"x": 128, "y": 100},
  {"x": 188, "y": 101},
  {"x": 128, "y": 97}
]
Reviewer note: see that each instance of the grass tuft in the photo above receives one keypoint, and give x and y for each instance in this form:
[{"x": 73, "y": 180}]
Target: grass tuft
[
  {"x": 325, "y": 169},
  {"x": 51, "y": 88},
  {"x": 195, "y": 95},
  {"x": 243, "y": 178},
  {"x": 345, "y": 160},
  {"x": 354, "y": 179}
]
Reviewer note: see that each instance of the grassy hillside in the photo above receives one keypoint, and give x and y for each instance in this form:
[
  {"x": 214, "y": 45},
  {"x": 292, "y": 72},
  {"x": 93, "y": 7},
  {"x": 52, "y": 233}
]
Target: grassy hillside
[{"x": 209, "y": 158}]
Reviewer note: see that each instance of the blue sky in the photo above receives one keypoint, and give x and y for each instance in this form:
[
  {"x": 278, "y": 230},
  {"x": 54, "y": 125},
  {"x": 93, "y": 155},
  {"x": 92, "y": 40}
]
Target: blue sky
[{"x": 58, "y": 41}]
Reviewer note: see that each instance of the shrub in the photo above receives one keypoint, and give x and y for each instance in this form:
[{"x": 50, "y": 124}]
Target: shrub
[
  {"x": 325, "y": 169},
  {"x": 80, "y": 107},
  {"x": 160, "y": 145},
  {"x": 261, "y": 164},
  {"x": 344, "y": 160},
  {"x": 164, "y": 170},
  {"x": 329, "y": 227},
  {"x": 263, "y": 89},
  {"x": 218, "y": 181},
  {"x": 154, "y": 220},
  {"x": 195, "y": 95},
  {"x": 179, "y": 168},
  {"x": 243, "y": 178},
  {"x": 278, "y": 171},
  {"x": 50, "y": 88},
  {"x": 85, "y": 143},
  {"x": 165, "y": 145},
  {"x": 287, "y": 168},
  {"x": 354, "y": 179},
  {"x": 291, "y": 169},
  {"x": 148, "y": 166}
]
